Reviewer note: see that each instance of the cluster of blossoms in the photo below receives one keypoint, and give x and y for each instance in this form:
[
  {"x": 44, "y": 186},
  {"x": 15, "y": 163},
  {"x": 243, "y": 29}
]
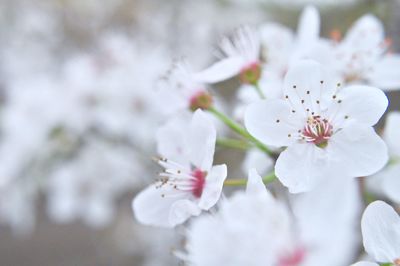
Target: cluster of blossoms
[{"x": 306, "y": 112}]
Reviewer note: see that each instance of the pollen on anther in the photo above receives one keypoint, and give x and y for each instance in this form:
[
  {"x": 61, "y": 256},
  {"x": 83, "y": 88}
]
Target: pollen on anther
[
  {"x": 338, "y": 84},
  {"x": 302, "y": 101},
  {"x": 293, "y": 111},
  {"x": 308, "y": 110},
  {"x": 346, "y": 117},
  {"x": 322, "y": 82},
  {"x": 339, "y": 101},
  {"x": 289, "y": 135},
  {"x": 334, "y": 96},
  {"x": 308, "y": 92},
  {"x": 277, "y": 120},
  {"x": 287, "y": 96},
  {"x": 294, "y": 86},
  {"x": 318, "y": 101}
]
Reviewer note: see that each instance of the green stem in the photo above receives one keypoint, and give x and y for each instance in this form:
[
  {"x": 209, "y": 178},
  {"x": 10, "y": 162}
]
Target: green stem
[
  {"x": 239, "y": 129},
  {"x": 233, "y": 143},
  {"x": 259, "y": 91},
  {"x": 386, "y": 264},
  {"x": 243, "y": 181}
]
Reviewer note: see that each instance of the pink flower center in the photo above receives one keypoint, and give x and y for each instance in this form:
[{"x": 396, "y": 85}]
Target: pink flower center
[
  {"x": 251, "y": 73},
  {"x": 317, "y": 131},
  {"x": 397, "y": 262},
  {"x": 294, "y": 258},
  {"x": 198, "y": 182}
]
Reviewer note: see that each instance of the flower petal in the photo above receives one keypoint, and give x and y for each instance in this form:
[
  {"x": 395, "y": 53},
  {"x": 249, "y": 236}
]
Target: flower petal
[
  {"x": 202, "y": 138},
  {"x": 309, "y": 26},
  {"x": 385, "y": 73},
  {"x": 301, "y": 167},
  {"x": 365, "y": 263},
  {"x": 357, "y": 151},
  {"x": 256, "y": 187},
  {"x": 220, "y": 71},
  {"x": 213, "y": 187},
  {"x": 380, "y": 227},
  {"x": 360, "y": 103},
  {"x": 182, "y": 210},
  {"x": 152, "y": 206},
  {"x": 366, "y": 33},
  {"x": 272, "y": 122},
  {"x": 306, "y": 87},
  {"x": 172, "y": 140}
]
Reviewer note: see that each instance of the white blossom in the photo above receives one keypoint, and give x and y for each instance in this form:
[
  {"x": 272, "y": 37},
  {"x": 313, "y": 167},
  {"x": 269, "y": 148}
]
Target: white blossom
[
  {"x": 327, "y": 129},
  {"x": 190, "y": 183}
]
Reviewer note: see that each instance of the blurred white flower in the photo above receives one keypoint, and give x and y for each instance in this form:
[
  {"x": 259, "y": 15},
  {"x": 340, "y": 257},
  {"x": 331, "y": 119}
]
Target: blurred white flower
[
  {"x": 190, "y": 183},
  {"x": 240, "y": 55},
  {"x": 380, "y": 227},
  {"x": 364, "y": 56},
  {"x": 327, "y": 129},
  {"x": 181, "y": 91},
  {"x": 87, "y": 186},
  {"x": 280, "y": 48},
  {"x": 253, "y": 228}
]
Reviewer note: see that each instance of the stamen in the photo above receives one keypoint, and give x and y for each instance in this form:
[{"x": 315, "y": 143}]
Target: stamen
[{"x": 317, "y": 131}]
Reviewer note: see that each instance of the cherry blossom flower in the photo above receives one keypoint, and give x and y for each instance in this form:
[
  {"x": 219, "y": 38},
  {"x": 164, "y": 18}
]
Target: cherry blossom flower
[
  {"x": 380, "y": 227},
  {"x": 189, "y": 183},
  {"x": 240, "y": 56},
  {"x": 253, "y": 228},
  {"x": 327, "y": 129},
  {"x": 364, "y": 56},
  {"x": 182, "y": 91},
  {"x": 280, "y": 48}
]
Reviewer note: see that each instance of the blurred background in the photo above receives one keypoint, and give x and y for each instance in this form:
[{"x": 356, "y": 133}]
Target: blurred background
[{"x": 78, "y": 115}]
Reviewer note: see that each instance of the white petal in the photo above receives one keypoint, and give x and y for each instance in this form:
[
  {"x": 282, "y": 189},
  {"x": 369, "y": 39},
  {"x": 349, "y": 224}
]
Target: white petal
[
  {"x": 213, "y": 187},
  {"x": 152, "y": 206},
  {"x": 301, "y": 167},
  {"x": 309, "y": 26},
  {"x": 306, "y": 87},
  {"x": 256, "y": 187},
  {"x": 391, "y": 182},
  {"x": 172, "y": 140},
  {"x": 366, "y": 33},
  {"x": 357, "y": 151},
  {"x": 322, "y": 206},
  {"x": 202, "y": 137},
  {"x": 363, "y": 104},
  {"x": 365, "y": 263},
  {"x": 380, "y": 227},
  {"x": 182, "y": 210},
  {"x": 392, "y": 133},
  {"x": 386, "y": 74},
  {"x": 220, "y": 71},
  {"x": 272, "y": 122}
]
